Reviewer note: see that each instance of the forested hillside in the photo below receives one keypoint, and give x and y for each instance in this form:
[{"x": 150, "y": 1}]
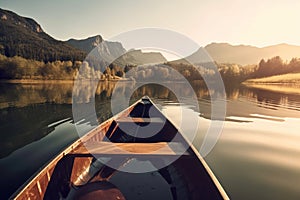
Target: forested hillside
[{"x": 21, "y": 36}]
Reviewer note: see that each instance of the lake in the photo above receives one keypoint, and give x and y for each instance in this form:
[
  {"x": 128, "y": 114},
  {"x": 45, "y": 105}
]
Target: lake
[{"x": 256, "y": 157}]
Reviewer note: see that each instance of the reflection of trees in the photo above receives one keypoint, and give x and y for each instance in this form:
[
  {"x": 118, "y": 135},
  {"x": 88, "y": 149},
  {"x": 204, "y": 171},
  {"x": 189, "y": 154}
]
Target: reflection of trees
[
  {"x": 276, "y": 99},
  {"x": 262, "y": 96},
  {"x": 20, "y": 95},
  {"x": 23, "y": 104},
  {"x": 22, "y": 126},
  {"x": 154, "y": 91},
  {"x": 232, "y": 92},
  {"x": 269, "y": 98},
  {"x": 105, "y": 89}
]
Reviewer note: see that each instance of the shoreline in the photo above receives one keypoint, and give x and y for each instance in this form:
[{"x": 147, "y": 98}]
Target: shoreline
[
  {"x": 287, "y": 83},
  {"x": 58, "y": 81},
  {"x": 286, "y": 88},
  {"x": 283, "y": 79},
  {"x": 32, "y": 81}
]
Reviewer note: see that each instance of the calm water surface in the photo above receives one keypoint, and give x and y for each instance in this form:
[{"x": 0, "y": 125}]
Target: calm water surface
[{"x": 256, "y": 157}]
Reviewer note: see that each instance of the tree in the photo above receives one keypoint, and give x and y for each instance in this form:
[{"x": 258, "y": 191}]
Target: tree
[{"x": 273, "y": 66}]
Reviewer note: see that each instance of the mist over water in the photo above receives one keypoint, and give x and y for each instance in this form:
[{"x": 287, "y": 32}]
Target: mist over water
[{"x": 256, "y": 157}]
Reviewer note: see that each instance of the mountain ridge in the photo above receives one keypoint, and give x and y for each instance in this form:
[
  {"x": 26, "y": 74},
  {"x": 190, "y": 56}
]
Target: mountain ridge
[
  {"x": 23, "y": 36},
  {"x": 114, "y": 49},
  {"x": 248, "y": 54}
]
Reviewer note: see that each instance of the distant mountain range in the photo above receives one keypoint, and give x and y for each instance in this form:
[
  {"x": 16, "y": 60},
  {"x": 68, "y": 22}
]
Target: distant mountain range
[
  {"x": 22, "y": 36},
  {"x": 242, "y": 54},
  {"x": 87, "y": 45},
  {"x": 25, "y": 37},
  {"x": 114, "y": 49}
]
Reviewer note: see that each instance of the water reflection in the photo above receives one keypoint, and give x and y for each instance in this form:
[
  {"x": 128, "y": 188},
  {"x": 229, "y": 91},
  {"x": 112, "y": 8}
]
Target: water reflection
[
  {"x": 260, "y": 136},
  {"x": 259, "y": 156},
  {"x": 21, "y": 95},
  {"x": 24, "y": 125},
  {"x": 267, "y": 98},
  {"x": 22, "y": 104}
]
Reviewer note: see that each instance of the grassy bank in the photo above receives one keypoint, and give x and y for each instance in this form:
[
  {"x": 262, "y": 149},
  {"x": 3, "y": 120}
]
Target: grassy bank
[
  {"x": 286, "y": 83},
  {"x": 281, "y": 88},
  {"x": 292, "y": 78}
]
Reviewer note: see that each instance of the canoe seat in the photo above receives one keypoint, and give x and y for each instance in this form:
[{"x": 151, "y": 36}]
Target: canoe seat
[
  {"x": 140, "y": 120},
  {"x": 109, "y": 148},
  {"x": 130, "y": 130}
]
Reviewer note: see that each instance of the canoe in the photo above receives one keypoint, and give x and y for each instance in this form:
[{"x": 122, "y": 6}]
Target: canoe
[{"x": 176, "y": 169}]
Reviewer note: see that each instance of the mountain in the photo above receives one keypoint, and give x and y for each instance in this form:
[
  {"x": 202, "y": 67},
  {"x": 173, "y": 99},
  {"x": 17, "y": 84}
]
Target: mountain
[
  {"x": 138, "y": 57},
  {"x": 244, "y": 54},
  {"x": 114, "y": 49},
  {"x": 86, "y": 45},
  {"x": 22, "y": 36}
]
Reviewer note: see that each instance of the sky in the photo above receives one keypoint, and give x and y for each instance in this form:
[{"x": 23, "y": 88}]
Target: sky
[{"x": 256, "y": 22}]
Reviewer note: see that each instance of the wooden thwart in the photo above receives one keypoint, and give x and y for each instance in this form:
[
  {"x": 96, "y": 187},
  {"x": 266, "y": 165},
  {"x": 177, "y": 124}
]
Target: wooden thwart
[
  {"x": 109, "y": 148},
  {"x": 140, "y": 120}
]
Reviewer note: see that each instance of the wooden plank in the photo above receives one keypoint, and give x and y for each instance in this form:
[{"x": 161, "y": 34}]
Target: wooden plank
[
  {"x": 109, "y": 148},
  {"x": 140, "y": 120}
]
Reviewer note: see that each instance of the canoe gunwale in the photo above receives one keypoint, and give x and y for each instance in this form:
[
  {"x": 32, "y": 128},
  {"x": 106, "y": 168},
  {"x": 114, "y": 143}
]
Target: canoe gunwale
[
  {"x": 198, "y": 155},
  {"x": 34, "y": 179}
]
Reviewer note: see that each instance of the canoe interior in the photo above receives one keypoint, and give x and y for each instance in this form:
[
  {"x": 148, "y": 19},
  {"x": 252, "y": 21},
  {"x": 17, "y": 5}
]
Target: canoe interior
[{"x": 77, "y": 174}]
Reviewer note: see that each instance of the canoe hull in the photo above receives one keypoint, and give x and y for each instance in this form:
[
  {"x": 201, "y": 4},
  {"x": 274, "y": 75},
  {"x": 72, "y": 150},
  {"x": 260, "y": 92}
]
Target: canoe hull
[{"x": 188, "y": 177}]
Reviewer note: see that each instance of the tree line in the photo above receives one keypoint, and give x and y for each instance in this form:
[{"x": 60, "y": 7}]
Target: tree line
[
  {"x": 233, "y": 73},
  {"x": 276, "y": 66},
  {"x": 21, "y": 68}
]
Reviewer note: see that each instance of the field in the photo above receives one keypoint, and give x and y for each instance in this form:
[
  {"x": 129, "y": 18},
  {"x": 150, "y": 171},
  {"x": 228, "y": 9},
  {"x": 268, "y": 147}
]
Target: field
[
  {"x": 293, "y": 78},
  {"x": 286, "y": 83}
]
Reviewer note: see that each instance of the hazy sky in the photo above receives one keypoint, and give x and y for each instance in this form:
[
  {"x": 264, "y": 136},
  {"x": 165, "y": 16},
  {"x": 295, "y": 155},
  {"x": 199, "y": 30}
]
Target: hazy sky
[{"x": 254, "y": 22}]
